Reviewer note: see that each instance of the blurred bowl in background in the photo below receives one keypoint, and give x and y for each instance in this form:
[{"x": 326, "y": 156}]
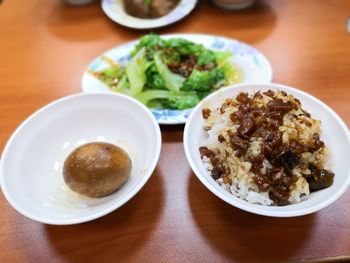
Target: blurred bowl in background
[
  {"x": 115, "y": 10},
  {"x": 233, "y": 4},
  {"x": 78, "y": 2}
]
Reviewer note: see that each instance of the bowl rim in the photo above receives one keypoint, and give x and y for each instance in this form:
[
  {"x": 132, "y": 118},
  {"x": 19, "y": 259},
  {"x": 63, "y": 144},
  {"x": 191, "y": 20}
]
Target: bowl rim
[
  {"x": 260, "y": 209},
  {"x": 148, "y": 173}
]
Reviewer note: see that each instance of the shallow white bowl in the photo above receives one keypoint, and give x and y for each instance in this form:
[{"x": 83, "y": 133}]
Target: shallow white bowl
[
  {"x": 31, "y": 166},
  {"x": 335, "y": 134},
  {"x": 114, "y": 9}
]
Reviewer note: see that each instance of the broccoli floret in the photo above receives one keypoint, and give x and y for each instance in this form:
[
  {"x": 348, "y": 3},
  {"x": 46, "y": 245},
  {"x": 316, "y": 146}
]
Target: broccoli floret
[
  {"x": 183, "y": 46},
  {"x": 155, "y": 81},
  {"x": 203, "y": 80},
  {"x": 181, "y": 100},
  {"x": 206, "y": 57},
  {"x": 150, "y": 43},
  {"x": 177, "y": 100}
]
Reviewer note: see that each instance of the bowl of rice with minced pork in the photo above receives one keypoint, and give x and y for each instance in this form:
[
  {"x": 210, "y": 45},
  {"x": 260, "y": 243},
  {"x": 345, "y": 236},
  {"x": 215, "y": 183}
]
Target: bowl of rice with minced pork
[{"x": 269, "y": 149}]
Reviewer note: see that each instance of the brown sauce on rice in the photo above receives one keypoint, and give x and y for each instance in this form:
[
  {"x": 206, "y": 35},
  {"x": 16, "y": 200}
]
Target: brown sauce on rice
[{"x": 290, "y": 152}]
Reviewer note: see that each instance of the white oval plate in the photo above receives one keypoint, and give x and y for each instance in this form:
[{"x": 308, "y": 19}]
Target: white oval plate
[
  {"x": 253, "y": 64},
  {"x": 114, "y": 10}
]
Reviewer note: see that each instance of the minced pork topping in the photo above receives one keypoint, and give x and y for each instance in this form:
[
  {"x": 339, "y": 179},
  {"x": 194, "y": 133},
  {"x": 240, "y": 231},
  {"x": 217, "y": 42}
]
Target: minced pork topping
[{"x": 265, "y": 143}]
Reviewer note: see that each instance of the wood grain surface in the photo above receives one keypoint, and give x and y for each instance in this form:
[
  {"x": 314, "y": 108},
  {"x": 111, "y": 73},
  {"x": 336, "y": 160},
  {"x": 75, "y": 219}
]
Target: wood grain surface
[{"x": 46, "y": 45}]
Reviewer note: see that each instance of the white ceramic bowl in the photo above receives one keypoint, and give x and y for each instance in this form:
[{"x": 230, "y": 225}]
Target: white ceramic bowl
[
  {"x": 31, "y": 166},
  {"x": 335, "y": 134},
  {"x": 114, "y": 9}
]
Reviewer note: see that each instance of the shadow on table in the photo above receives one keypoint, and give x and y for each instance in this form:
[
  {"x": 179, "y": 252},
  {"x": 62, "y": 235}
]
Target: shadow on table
[
  {"x": 172, "y": 133},
  {"x": 242, "y": 236},
  {"x": 114, "y": 236}
]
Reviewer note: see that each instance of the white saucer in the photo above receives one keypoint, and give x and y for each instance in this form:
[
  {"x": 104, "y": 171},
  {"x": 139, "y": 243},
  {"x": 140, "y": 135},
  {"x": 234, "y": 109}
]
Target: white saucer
[{"x": 114, "y": 10}]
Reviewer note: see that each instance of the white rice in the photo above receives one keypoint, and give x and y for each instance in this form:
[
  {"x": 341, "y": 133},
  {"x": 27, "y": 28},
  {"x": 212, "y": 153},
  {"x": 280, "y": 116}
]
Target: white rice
[{"x": 241, "y": 183}]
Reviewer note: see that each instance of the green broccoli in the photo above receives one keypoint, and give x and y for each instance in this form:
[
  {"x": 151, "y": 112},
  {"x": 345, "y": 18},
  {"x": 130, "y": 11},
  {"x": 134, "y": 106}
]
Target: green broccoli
[{"x": 203, "y": 80}]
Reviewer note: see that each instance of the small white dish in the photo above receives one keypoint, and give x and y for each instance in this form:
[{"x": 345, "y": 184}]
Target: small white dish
[
  {"x": 334, "y": 133},
  {"x": 254, "y": 66},
  {"x": 32, "y": 161},
  {"x": 114, "y": 9}
]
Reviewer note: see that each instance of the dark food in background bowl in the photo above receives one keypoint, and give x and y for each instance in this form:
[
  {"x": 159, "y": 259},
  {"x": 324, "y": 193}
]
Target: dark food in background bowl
[
  {"x": 265, "y": 148},
  {"x": 96, "y": 169},
  {"x": 149, "y": 8}
]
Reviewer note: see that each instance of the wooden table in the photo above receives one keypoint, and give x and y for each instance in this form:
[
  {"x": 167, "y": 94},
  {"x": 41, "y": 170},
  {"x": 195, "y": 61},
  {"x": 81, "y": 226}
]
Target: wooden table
[{"x": 45, "y": 46}]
